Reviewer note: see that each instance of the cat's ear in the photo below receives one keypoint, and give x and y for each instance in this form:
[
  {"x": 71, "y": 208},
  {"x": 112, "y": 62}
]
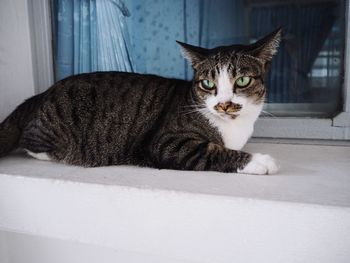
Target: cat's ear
[
  {"x": 266, "y": 47},
  {"x": 192, "y": 53}
]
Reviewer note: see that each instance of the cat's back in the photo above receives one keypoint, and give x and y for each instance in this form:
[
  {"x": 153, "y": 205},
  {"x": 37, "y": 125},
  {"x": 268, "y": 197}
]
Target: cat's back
[
  {"x": 100, "y": 118},
  {"x": 114, "y": 92},
  {"x": 113, "y": 83}
]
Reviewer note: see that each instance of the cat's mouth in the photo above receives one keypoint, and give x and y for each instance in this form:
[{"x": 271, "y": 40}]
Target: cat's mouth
[
  {"x": 233, "y": 116},
  {"x": 228, "y": 116}
]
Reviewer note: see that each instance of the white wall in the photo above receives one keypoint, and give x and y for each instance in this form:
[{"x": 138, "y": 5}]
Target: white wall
[
  {"x": 16, "y": 67},
  {"x": 37, "y": 249},
  {"x": 134, "y": 224}
]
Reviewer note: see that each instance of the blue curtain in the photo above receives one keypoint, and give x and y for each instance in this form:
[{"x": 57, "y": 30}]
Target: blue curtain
[
  {"x": 306, "y": 27},
  {"x": 139, "y": 36},
  {"x": 154, "y": 25},
  {"x": 91, "y": 35}
]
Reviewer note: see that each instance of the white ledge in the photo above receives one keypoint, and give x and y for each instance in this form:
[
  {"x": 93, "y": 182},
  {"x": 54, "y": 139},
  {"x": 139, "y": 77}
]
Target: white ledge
[
  {"x": 309, "y": 174},
  {"x": 300, "y": 215}
]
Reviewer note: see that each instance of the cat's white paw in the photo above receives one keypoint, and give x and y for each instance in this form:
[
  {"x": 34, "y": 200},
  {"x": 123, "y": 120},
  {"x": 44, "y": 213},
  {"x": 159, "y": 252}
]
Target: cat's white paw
[
  {"x": 40, "y": 156},
  {"x": 260, "y": 164}
]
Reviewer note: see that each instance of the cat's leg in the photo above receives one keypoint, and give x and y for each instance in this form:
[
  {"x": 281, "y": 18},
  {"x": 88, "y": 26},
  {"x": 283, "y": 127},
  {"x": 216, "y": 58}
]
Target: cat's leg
[
  {"x": 187, "y": 154},
  {"x": 37, "y": 142},
  {"x": 260, "y": 164},
  {"x": 43, "y": 156},
  {"x": 37, "y": 148}
]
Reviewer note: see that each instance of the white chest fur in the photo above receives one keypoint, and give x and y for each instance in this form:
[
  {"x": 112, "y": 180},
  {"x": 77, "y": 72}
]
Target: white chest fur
[{"x": 236, "y": 132}]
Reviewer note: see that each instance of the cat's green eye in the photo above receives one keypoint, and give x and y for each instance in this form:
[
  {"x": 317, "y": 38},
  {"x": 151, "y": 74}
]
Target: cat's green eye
[
  {"x": 243, "y": 81},
  {"x": 207, "y": 84}
]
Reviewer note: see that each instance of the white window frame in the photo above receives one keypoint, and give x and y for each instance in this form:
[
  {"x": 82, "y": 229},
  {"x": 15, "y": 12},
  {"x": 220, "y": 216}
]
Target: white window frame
[
  {"x": 40, "y": 26},
  {"x": 336, "y": 128}
]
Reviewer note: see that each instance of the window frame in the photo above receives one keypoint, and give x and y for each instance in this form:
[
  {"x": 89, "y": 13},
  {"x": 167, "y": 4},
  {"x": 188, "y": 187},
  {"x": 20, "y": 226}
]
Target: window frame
[
  {"x": 335, "y": 128},
  {"x": 40, "y": 26}
]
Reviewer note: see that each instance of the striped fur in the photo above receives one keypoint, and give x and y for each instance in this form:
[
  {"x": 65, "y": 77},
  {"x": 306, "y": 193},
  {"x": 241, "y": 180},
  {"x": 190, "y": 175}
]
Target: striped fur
[{"x": 114, "y": 118}]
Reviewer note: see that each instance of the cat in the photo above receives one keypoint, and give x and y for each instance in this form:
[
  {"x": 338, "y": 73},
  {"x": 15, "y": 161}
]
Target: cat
[{"x": 119, "y": 118}]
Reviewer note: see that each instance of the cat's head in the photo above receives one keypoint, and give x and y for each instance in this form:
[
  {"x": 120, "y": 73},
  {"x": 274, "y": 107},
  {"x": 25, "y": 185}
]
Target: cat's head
[{"x": 229, "y": 80}]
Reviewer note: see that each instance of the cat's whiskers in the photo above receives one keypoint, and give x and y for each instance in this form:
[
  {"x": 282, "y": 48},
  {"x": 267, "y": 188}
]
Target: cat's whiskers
[
  {"x": 193, "y": 106},
  {"x": 194, "y": 109},
  {"x": 267, "y": 113},
  {"x": 204, "y": 111}
]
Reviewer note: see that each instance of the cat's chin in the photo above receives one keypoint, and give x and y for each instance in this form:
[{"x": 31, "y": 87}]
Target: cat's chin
[
  {"x": 228, "y": 117},
  {"x": 225, "y": 117},
  {"x": 233, "y": 116}
]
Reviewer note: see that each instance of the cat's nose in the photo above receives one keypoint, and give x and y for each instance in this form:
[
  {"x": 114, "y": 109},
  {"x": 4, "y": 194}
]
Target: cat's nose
[
  {"x": 224, "y": 106},
  {"x": 227, "y": 106}
]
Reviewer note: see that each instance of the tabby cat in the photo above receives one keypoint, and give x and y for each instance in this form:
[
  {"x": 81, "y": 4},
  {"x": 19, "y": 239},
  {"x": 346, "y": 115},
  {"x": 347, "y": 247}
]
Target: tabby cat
[{"x": 117, "y": 118}]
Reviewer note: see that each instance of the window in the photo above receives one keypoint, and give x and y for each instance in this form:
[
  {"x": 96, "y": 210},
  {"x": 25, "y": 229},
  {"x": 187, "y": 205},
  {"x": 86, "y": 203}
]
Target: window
[
  {"x": 306, "y": 93},
  {"x": 306, "y": 75}
]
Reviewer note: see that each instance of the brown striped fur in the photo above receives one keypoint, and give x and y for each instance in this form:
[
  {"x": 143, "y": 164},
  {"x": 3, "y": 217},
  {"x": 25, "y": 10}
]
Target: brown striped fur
[{"x": 114, "y": 118}]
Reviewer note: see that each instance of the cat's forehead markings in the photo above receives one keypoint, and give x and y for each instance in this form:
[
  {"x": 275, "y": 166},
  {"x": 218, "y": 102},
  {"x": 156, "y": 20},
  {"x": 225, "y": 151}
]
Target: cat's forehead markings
[
  {"x": 225, "y": 91},
  {"x": 213, "y": 73}
]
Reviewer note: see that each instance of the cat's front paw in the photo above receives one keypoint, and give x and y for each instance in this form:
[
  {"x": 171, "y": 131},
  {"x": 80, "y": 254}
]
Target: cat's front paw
[{"x": 260, "y": 164}]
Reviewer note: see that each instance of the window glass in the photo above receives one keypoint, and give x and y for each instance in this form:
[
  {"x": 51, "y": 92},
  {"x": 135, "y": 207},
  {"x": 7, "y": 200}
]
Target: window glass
[{"x": 306, "y": 75}]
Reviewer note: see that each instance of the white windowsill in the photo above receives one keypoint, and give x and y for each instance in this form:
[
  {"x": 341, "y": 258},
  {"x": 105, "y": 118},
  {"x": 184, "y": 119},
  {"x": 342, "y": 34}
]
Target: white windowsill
[{"x": 301, "y": 214}]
